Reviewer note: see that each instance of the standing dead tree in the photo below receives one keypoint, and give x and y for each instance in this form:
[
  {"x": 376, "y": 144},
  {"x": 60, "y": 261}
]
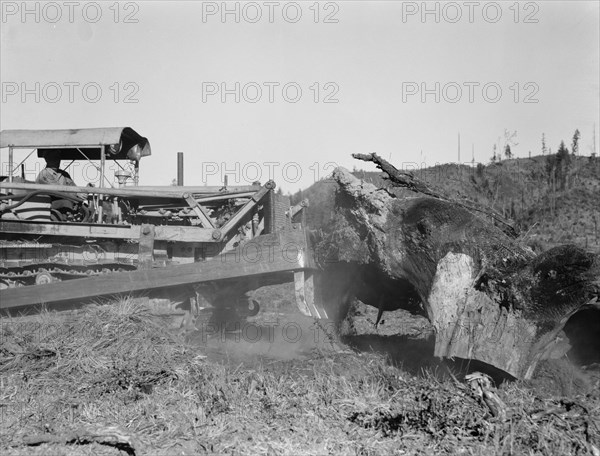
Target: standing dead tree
[{"x": 488, "y": 297}]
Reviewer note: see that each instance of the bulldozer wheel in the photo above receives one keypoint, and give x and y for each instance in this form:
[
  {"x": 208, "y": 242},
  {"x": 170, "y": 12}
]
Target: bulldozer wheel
[{"x": 44, "y": 278}]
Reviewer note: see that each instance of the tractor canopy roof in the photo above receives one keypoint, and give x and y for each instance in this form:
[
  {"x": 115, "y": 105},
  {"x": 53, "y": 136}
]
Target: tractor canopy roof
[{"x": 119, "y": 143}]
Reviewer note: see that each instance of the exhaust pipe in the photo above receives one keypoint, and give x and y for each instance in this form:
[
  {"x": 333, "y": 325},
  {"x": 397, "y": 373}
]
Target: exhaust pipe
[{"x": 180, "y": 169}]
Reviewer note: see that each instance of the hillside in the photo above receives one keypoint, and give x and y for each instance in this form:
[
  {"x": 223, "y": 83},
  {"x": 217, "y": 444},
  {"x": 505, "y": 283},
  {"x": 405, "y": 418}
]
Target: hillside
[{"x": 550, "y": 203}]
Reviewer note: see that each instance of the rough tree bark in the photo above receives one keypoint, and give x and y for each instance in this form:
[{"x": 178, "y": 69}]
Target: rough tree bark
[{"x": 488, "y": 297}]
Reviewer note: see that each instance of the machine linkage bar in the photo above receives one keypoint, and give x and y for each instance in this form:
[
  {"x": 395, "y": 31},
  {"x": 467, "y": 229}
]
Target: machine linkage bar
[
  {"x": 245, "y": 210},
  {"x": 132, "y": 192},
  {"x": 199, "y": 210}
]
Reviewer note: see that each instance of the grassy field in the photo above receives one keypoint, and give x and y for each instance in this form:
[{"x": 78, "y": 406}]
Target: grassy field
[{"x": 118, "y": 379}]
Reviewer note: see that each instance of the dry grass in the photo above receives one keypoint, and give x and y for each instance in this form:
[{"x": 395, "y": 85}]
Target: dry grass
[{"x": 118, "y": 365}]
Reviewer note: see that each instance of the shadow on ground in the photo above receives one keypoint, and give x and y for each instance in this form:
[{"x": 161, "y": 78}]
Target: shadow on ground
[{"x": 415, "y": 355}]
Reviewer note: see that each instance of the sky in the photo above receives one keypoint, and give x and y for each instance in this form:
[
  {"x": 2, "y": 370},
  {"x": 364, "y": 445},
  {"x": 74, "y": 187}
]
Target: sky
[{"x": 289, "y": 90}]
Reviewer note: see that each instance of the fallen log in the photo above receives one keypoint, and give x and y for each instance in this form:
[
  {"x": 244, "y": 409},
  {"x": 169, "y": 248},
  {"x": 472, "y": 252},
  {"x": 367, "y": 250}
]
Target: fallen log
[
  {"x": 488, "y": 297},
  {"x": 410, "y": 181}
]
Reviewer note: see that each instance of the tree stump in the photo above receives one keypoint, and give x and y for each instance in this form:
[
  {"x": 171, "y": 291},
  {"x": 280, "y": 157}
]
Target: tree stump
[{"x": 488, "y": 297}]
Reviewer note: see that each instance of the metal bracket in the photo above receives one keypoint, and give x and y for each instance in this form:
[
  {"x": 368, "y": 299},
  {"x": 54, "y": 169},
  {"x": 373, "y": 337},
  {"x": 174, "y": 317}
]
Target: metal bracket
[{"x": 146, "y": 247}]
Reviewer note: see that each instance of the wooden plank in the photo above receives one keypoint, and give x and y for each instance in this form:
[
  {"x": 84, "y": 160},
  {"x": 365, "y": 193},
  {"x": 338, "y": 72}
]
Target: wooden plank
[
  {"x": 262, "y": 256},
  {"x": 162, "y": 232}
]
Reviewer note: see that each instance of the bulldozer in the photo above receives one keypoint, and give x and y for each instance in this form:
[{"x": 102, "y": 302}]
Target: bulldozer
[{"x": 204, "y": 247}]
